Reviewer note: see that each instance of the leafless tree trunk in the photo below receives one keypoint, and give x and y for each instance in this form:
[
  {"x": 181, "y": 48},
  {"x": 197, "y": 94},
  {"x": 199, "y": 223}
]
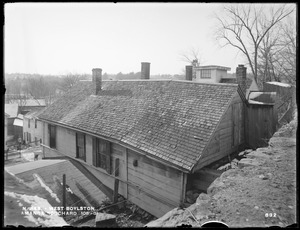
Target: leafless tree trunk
[
  {"x": 277, "y": 56},
  {"x": 70, "y": 80},
  {"x": 244, "y": 26},
  {"x": 193, "y": 58}
]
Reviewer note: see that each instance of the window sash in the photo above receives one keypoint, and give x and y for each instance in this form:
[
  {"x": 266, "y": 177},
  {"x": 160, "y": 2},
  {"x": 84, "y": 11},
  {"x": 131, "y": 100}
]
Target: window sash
[
  {"x": 102, "y": 155},
  {"x": 80, "y": 146},
  {"x": 205, "y": 73},
  {"x": 52, "y": 136}
]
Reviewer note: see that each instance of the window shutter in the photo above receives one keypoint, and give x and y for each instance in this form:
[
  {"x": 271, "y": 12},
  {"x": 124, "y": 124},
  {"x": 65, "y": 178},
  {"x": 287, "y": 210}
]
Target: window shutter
[
  {"x": 108, "y": 157},
  {"x": 94, "y": 150}
]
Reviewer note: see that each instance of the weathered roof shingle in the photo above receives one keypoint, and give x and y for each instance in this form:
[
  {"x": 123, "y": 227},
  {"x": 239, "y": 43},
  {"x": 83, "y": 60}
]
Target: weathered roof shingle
[{"x": 169, "y": 120}]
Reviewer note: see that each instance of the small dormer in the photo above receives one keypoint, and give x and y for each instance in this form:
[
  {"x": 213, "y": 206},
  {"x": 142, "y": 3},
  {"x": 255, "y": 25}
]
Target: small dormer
[{"x": 210, "y": 73}]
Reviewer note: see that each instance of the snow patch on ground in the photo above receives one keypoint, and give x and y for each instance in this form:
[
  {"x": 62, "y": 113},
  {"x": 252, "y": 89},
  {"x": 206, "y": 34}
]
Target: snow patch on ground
[
  {"x": 28, "y": 156},
  {"x": 40, "y": 180},
  {"x": 43, "y": 205},
  {"x": 256, "y": 102},
  {"x": 279, "y": 83}
]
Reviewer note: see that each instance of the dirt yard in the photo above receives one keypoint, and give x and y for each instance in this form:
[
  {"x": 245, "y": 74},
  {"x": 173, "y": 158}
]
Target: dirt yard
[
  {"x": 262, "y": 195},
  {"x": 260, "y": 192}
]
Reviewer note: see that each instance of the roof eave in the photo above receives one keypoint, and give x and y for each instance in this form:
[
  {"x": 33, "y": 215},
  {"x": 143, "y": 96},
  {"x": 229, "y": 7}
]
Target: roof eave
[{"x": 142, "y": 152}]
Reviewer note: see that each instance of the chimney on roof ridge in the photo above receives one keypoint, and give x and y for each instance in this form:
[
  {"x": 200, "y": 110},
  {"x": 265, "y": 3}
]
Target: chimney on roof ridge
[
  {"x": 189, "y": 72},
  {"x": 241, "y": 75},
  {"x": 145, "y": 70},
  {"x": 97, "y": 79}
]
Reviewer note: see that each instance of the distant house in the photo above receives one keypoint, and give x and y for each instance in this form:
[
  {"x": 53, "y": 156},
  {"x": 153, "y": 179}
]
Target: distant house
[
  {"x": 13, "y": 123},
  {"x": 218, "y": 74},
  {"x": 27, "y": 105},
  {"x": 33, "y": 127},
  {"x": 18, "y": 125},
  {"x": 152, "y": 136},
  {"x": 210, "y": 73}
]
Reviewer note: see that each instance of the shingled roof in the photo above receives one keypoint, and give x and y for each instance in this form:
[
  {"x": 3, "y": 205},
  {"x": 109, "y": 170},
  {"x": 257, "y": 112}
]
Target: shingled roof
[
  {"x": 169, "y": 120},
  {"x": 34, "y": 113}
]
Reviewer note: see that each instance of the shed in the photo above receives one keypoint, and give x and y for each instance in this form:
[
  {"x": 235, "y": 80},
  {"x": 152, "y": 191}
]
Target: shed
[{"x": 261, "y": 118}]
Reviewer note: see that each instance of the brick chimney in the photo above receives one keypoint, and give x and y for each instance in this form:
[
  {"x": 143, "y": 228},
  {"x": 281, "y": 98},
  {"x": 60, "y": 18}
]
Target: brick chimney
[
  {"x": 189, "y": 72},
  {"x": 97, "y": 79},
  {"x": 145, "y": 71},
  {"x": 241, "y": 75}
]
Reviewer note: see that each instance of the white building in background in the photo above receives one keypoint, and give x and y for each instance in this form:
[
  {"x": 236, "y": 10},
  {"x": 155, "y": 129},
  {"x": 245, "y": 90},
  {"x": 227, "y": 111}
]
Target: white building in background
[
  {"x": 210, "y": 73},
  {"x": 33, "y": 128}
]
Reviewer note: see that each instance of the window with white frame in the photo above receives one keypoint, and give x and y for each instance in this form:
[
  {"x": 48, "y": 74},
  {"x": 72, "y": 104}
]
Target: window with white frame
[{"x": 205, "y": 73}]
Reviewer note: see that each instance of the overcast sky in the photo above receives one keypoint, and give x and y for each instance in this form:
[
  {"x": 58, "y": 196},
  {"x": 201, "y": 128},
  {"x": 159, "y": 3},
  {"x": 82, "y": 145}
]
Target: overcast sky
[{"x": 60, "y": 38}]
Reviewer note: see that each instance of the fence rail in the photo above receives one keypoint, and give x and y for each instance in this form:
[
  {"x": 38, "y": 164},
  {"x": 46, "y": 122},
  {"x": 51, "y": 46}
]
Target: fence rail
[{"x": 17, "y": 148}]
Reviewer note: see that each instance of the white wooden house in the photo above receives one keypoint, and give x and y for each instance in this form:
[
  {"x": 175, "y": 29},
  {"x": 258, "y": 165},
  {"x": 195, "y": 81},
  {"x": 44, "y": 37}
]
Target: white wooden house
[
  {"x": 33, "y": 127},
  {"x": 151, "y": 135}
]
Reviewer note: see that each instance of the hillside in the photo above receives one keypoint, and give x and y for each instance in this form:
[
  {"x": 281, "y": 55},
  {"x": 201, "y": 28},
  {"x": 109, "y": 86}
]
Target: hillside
[{"x": 259, "y": 192}]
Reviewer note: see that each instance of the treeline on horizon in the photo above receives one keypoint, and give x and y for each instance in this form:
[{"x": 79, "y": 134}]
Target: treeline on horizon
[
  {"x": 105, "y": 76},
  {"x": 49, "y": 87}
]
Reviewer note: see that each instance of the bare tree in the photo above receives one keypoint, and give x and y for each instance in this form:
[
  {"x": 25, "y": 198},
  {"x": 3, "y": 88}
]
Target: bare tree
[
  {"x": 192, "y": 57},
  {"x": 277, "y": 56},
  {"x": 286, "y": 56},
  {"x": 69, "y": 80},
  {"x": 266, "y": 57},
  {"x": 244, "y": 27}
]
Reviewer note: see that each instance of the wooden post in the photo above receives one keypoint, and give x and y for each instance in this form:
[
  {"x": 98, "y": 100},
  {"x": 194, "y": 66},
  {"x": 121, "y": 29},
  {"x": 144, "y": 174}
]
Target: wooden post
[
  {"x": 116, "y": 191},
  {"x": 64, "y": 194}
]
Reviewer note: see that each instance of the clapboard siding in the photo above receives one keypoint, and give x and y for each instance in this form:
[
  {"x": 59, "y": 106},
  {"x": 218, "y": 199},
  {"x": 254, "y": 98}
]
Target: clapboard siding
[
  {"x": 66, "y": 141},
  {"x": 151, "y": 185},
  {"x": 174, "y": 184},
  {"x": 156, "y": 187},
  {"x": 118, "y": 150},
  {"x": 108, "y": 180},
  {"x": 155, "y": 181},
  {"x": 221, "y": 143},
  {"x": 148, "y": 202}
]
